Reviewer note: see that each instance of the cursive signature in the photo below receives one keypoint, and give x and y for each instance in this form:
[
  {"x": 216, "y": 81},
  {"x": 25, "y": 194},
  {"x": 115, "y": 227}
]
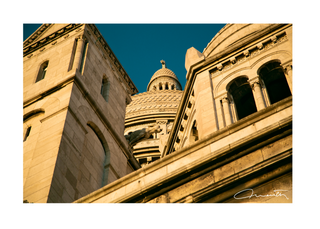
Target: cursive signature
[{"x": 277, "y": 193}]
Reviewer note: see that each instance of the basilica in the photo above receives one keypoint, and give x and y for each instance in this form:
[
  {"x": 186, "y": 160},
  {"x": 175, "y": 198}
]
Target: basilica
[{"x": 90, "y": 137}]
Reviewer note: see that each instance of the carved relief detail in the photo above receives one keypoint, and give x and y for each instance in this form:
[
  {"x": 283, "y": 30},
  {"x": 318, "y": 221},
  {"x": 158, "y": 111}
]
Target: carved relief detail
[{"x": 249, "y": 53}]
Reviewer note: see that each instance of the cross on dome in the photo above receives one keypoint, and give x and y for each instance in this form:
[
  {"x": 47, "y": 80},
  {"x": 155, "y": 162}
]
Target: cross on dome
[{"x": 163, "y": 63}]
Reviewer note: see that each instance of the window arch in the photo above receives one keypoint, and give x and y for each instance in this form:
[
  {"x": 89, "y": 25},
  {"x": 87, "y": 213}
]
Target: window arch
[
  {"x": 275, "y": 81},
  {"x": 29, "y": 121},
  {"x": 105, "y": 86},
  {"x": 105, "y": 161},
  {"x": 42, "y": 71},
  {"x": 242, "y": 96}
]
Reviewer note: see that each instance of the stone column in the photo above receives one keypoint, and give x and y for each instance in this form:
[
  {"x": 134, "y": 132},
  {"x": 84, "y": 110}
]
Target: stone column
[
  {"x": 220, "y": 118},
  {"x": 79, "y": 51},
  {"x": 226, "y": 110},
  {"x": 257, "y": 94},
  {"x": 288, "y": 73}
]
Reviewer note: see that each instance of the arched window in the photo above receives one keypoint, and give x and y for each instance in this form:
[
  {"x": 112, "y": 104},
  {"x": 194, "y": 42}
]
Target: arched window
[
  {"x": 42, "y": 71},
  {"x": 242, "y": 96},
  {"x": 167, "y": 87},
  {"x": 275, "y": 81},
  {"x": 160, "y": 86},
  {"x": 101, "y": 152},
  {"x": 105, "y": 89},
  {"x": 172, "y": 86}
]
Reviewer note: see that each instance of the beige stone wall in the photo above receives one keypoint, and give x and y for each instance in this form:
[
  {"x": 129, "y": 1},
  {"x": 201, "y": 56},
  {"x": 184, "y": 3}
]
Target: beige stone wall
[
  {"x": 41, "y": 148},
  {"x": 76, "y": 144}
]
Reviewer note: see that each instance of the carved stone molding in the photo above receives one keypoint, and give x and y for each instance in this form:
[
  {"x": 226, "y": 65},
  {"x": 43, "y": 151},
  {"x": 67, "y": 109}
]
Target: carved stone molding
[
  {"x": 260, "y": 46},
  {"x": 274, "y": 39},
  {"x": 251, "y": 52},
  {"x": 162, "y": 122},
  {"x": 233, "y": 60},
  {"x": 219, "y": 66},
  {"x": 50, "y": 38}
]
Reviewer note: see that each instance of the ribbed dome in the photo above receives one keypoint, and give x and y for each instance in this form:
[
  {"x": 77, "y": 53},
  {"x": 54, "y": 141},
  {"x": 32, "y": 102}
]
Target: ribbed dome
[
  {"x": 151, "y": 102},
  {"x": 164, "y": 73}
]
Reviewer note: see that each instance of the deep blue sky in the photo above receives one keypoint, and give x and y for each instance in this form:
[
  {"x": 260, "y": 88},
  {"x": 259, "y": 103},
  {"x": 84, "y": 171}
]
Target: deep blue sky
[{"x": 140, "y": 47}]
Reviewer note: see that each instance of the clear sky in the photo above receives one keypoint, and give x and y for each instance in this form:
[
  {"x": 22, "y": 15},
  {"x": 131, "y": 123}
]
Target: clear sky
[{"x": 140, "y": 47}]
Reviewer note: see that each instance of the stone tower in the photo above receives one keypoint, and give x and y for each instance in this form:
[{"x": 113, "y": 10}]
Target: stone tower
[
  {"x": 74, "y": 100},
  {"x": 156, "y": 106}
]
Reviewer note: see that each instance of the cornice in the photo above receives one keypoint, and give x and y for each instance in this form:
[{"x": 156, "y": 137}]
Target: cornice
[
  {"x": 113, "y": 59},
  {"x": 34, "y": 36},
  {"x": 29, "y": 48}
]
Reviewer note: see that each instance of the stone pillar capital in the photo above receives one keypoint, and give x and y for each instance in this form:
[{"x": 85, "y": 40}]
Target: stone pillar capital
[
  {"x": 225, "y": 99},
  {"x": 288, "y": 67},
  {"x": 82, "y": 37},
  {"x": 254, "y": 82}
]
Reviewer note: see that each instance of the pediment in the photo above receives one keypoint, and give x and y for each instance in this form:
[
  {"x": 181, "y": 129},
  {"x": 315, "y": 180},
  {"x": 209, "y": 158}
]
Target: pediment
[{"x": 42, "y": 32}]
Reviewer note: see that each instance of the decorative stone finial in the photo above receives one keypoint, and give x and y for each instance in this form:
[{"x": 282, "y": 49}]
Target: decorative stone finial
[{"x": 163, "y": 63}]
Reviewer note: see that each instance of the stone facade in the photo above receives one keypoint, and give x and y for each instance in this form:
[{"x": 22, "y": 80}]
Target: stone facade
[
  {"x": 73, "y": 129},
  {"x": 231, "y": 140}
]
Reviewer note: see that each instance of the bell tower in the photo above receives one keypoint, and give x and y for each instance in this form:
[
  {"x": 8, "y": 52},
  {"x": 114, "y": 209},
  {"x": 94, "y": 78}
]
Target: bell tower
[{"x": 73, "y": 142}]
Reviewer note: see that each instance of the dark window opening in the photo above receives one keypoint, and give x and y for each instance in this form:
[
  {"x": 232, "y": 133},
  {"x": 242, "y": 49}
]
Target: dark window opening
[
  {"x": 167, "y": 87},
  {"x": 160, "y": 87},
  {"x": 105, "y": 89},
  {"x": 42, "y": 71},
  {"x": 275, "y": 81},
  {"x": 27, "y": 133},
  {"x": 83, "y": 57},
  {"x": 194, "y": 133},
  {"x": 242, "y": 96}
]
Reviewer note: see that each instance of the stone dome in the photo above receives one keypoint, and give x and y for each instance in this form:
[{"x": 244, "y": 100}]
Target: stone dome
[
  {"x": 164, "y": 75},
  {"x": 159, "y": 106},
  {"x": 232, "y": 34}
]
